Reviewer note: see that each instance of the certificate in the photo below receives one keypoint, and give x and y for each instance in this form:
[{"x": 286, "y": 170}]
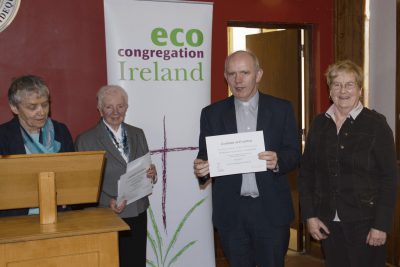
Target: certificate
[
  {"x": 235, "y": 153},
  {"x": 135, "y": 184}
]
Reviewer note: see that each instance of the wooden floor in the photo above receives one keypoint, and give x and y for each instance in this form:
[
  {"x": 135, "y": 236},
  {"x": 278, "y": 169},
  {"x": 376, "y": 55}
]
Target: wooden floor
[{"x": 294, "y": 259}]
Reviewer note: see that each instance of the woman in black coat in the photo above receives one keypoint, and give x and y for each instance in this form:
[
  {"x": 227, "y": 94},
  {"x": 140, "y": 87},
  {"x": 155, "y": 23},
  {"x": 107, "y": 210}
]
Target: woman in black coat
[{"x": 348, "y": 175}]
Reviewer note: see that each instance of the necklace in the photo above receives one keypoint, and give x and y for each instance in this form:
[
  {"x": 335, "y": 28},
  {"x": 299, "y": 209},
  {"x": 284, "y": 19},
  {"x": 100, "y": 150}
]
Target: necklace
[{"x": 123, "y": 146}]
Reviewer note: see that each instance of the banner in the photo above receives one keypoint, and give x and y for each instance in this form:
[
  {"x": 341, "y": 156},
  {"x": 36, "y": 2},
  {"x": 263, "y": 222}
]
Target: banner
[{"x": 160, "y": 52}]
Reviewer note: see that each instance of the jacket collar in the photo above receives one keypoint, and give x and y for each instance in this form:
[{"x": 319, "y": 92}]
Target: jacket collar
[
  {"x": 264, "y": 112},
  {"x": 229, "y": 116},
  {"x": 107, "y": 143},
  {"x": 330, "y": 113},
  {"x": 263, "y": 116}
]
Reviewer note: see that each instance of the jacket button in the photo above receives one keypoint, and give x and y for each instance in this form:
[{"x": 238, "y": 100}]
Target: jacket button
[
  {"x": 346, "y": 134},
  {"x": 341, "y": 146}
]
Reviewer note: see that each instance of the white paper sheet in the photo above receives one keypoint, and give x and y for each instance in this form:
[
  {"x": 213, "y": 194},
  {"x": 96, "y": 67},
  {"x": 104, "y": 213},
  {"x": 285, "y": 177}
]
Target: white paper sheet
[
  {"x": 134, "y": 184},
  {"x": 235, "y": 153}
]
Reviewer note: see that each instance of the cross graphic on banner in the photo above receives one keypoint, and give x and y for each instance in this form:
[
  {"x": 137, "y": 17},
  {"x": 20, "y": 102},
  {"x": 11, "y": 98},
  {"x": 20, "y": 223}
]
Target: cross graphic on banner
[{"x": 163, "y": 151}]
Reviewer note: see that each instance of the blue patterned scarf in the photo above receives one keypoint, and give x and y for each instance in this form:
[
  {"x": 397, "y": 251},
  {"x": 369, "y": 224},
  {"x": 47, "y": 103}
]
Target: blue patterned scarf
[{"x": 46, "y": 143}]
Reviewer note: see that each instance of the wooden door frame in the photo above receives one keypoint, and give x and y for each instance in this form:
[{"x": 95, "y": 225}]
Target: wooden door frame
[
  {"x": 309, "y": 55},
  {"x": 397, "y": 133},
  {"x": 396, "y": 224}
]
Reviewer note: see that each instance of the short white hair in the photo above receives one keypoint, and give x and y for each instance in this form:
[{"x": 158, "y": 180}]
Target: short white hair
[{"x": 109, "y": 89}]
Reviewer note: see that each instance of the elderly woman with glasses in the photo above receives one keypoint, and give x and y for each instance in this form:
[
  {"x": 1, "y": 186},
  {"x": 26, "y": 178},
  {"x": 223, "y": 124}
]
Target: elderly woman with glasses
[
  {"x": 348, "y": 175},
  {"x": 31, "y": 131}
]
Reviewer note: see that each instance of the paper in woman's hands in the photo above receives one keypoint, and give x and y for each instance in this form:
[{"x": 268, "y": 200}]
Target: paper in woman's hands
[{"x": 134, "y": 184}]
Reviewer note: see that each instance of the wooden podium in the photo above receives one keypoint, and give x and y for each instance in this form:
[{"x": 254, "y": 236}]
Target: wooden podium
[{"x": 73, "y": 238}]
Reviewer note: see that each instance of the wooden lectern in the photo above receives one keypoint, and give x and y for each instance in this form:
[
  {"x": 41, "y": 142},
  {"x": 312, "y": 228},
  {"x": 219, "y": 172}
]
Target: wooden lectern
[{"x": 73, "y": 238}]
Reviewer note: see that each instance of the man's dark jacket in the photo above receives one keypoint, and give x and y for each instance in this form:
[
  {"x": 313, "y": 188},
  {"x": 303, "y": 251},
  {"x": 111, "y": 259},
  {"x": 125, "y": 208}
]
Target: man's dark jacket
[{"x": 276, "y": 119}]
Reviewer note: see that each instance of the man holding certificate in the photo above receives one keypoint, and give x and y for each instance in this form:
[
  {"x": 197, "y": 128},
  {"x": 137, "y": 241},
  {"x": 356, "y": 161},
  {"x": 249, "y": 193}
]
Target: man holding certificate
[
  {"x": 248, "y": 143},
  {"x": 128, "y": 172}
]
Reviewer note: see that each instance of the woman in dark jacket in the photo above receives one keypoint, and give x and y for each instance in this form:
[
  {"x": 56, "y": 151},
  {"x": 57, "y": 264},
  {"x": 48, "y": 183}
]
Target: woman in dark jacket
[
  {"x": 31, "y": 131},
  {"x": 348, "y": 175}
]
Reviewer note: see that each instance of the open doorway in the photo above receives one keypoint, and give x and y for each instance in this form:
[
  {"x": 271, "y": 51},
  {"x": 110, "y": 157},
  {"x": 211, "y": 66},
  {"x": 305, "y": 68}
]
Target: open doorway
[{"x": 284, "y": 52}]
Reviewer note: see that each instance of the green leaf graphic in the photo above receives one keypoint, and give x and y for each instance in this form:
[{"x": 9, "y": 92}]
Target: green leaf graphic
[
  {"x": 157, "y": 244},
  {"x": 157, "y": 232},
  {"x": 175, "y": 258},
  {"x": 153, "y": 246},
  {"x": 149, "y": 262},
  {"x": 180, "y": 226}
]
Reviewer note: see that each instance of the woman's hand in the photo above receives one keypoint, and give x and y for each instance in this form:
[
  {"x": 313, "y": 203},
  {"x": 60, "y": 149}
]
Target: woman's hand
[
  {"x": 317, "y": 228},
  {"x": 115, "y": 207},
  {"x": 376, "y": 237},
  {"x": 152, "y": 173}
]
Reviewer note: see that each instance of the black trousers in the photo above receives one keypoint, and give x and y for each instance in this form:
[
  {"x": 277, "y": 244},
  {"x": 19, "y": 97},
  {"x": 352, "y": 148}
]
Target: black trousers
[
  {"x": 346, "y": 246},
  {"x": 132, "y": 243},
  {"x": 254, "y": 241}
]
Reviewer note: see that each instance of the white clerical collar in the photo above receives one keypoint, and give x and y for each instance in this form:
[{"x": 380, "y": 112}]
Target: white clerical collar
[{"x": 252, "y": 102}]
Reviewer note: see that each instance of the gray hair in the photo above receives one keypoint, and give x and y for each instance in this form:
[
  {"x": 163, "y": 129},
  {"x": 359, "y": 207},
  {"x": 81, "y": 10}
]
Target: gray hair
[
  {"x": 346, "y": 66},
  {"x": 26, "y": 85},
  {"x": 109, "y": 89},
  {"x": 248, "y": 52}
]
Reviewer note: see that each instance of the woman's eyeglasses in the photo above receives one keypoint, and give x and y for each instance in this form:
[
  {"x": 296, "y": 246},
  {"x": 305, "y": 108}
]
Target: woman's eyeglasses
[{"x": 336, "y": 86}]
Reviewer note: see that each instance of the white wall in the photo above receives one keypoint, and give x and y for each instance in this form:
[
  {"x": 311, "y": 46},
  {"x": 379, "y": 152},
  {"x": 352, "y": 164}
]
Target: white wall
[{"x": 382, "y": 64}]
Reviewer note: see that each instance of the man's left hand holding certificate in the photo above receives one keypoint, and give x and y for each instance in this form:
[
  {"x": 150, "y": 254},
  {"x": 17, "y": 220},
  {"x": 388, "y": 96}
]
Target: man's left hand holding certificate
[{"x": 135, "y": 184}]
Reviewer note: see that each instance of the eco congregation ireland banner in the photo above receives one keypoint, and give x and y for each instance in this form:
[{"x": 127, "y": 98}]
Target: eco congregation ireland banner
[{"x": 160, "y": 52}]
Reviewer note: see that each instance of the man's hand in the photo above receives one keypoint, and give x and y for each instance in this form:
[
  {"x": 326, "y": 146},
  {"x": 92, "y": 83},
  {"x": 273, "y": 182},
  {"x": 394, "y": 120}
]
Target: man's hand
[
  {"x": 376, "y": 237},
  {"x": 317, "y": 228},
  {"x": 270, "y": 157},
  {"x": 200, "y": 167}
]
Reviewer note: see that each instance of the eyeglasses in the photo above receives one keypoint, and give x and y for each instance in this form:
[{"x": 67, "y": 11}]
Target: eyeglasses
[{"x": 336, "y": 86}]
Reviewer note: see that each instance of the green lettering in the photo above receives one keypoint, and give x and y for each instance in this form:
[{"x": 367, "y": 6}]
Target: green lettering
[
  {"x": 155, "y": 71},
  {"x": 132, "y": 72},
  {"x": 122, "y": 70},
  {"x": 173, "y": 37},
  {"x": 190, "y": 40},
  {"x": 167, "y": 74},
  {"x": 157, "y": 34},
  {"x": 143, "y": 72},
  {"x": 197, "y": 73},
  {"x": 178, "y": 77}
]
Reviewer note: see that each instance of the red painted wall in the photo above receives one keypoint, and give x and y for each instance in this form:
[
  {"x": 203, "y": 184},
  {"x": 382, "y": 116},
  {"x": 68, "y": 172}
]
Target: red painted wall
[{"x": 64, "y": 42}]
